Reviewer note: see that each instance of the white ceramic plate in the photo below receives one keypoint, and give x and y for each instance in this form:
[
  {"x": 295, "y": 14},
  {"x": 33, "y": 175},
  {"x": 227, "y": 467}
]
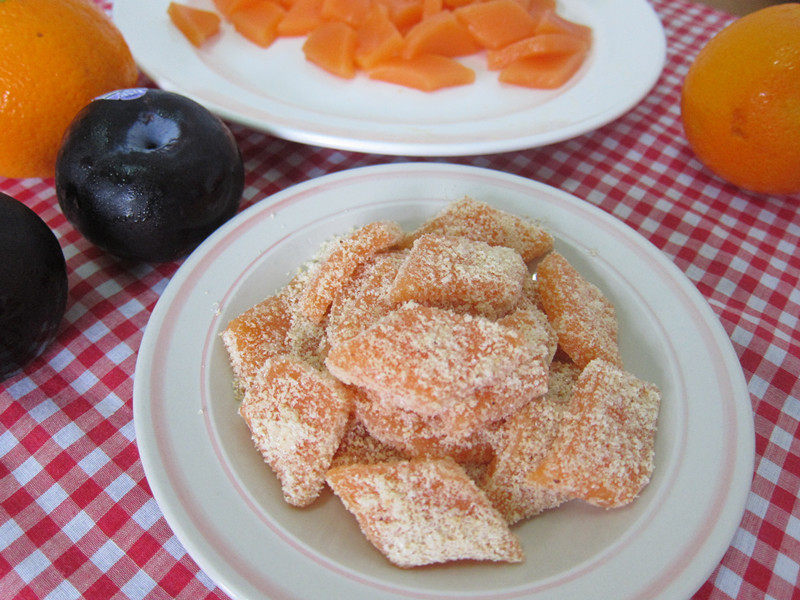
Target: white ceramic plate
[
  {"x": 225, "y": 505},
  {"x": 276, "y": 90}
]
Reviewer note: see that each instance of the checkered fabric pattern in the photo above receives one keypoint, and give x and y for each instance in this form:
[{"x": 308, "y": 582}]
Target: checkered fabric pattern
[{"x": 77, "y": 518}]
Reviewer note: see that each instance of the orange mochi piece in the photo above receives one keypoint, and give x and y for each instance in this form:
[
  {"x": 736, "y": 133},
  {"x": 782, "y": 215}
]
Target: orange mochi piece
[
  {"x": 343, "y": 257},
  {"x": 416, "y": 435},
  {"x": 257, "y": 334},
  {"x": 552, "y": 22},
  {"x": 497, "y": 23},
  {"x": 301, "y": 18},
  {"x": 331, "y": 46},
  {"x": 520, "y": 443},
  {"x": 543, "y": 44},
  {"x": 535, "y": 329},
  {"x": 297, "y": 416},
  {"x": 428, "y": 359},
  {"x": 403, "y": 13},
  {"x": 426, "y": 72},
  {"x": 351, "y": 12},
  {"x": 196, "y": 24},
  {"x": 424, "y": 511},
  {"x": 545, "y": 72},
  {"x": 258, "y": 21},
  {"x": 479, "y": 221},
  {"x": 441, "y": 34},
  {"x": 462, "y": 275},
  {"x": 365, "y": 298},
  {"x": 603, "y": 453},
  {"x": 378, "y": 38},
  {"x": 359, "y": 447},
  {"x": 584, "y": 319}
]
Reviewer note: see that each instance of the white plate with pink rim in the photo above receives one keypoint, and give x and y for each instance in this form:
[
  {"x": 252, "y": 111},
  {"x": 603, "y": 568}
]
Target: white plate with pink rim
[
  {"x": 226, "y": 507},
  {"x": 276, "y": 90}
]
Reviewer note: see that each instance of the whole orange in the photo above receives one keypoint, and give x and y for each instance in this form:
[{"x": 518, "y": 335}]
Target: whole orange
[
  {"x": 55, "y": 56},
  {"x": 740, "y": 102}
]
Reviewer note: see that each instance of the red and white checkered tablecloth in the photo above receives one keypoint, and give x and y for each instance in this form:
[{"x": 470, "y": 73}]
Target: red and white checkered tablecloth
[{"x": 77, "y": 518}]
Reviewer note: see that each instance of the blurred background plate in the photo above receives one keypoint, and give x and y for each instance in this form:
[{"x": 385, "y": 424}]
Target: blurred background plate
[{"x": 277, "y": 91}]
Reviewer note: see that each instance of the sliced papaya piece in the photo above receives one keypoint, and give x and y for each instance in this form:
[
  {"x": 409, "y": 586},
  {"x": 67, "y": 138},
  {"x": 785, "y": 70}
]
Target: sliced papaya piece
[
  {"x": 543, "y": 44},
  {"x": 195, "y": 24},
  {"x": 351, "y": 12},
  {"x": 378, "y": 38},
  {"x": 258, "y": 22},
  {"x": 302, "y": 18},
  {"x": 441, "y": 34},
  {"x": 497, "y": 23},
  {"x": 332, "y": 46},
  {"x": 427, "y": 72},
  {"x": 547, "y": 72}
]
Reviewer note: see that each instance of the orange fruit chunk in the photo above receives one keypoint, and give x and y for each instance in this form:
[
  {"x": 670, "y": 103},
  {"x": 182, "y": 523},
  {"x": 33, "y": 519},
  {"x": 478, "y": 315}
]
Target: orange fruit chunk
[
  {"x": 739, "y": 102},
  {"x": 584, "y": 319},
  {"x": 345, "y": 255},
  {"x": 427, "y": 72},
  {"x": 57, "y": 56},
  {"x": 460, "y": 274},
  {"x": 365, "y": 298},
  {"x": 543, "y": 44},
  {"x": 196, "y": 24},
  {"x": 603, "y": 453},
  {"x": 301, "y": 18},
  {"x": 478, "y": 221},
  {"x": 297, "y": 416},
  {"x": 497, "y": 23},
  {"x": 426, "y": 359},
  {"x": 258, "y": 21},
  {"x": 378, "y": 38},
  {"x": 546, "y": 72},
  {"x": 441, "y": 34},
  {"x": 424, "y": 511}
]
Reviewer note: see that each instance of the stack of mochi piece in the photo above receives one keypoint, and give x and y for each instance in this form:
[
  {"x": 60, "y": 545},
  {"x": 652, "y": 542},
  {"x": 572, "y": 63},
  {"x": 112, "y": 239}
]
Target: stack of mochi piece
[{"x": 446, "y": 383}]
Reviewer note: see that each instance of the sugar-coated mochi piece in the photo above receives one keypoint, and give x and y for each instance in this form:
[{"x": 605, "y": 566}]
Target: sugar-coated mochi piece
[
  {"x": 479, "y": 221},
  {"x": 427, "y": 359},
  {"x": 297, "y": 416},
  {"x": 532, "y": 324},
  {"x": 417, "y": 436},
  {"x": 520, "y": 443},
  {"x": 342, "y": 257},
  {"x": 584, "y": 319},
  {"x": 424, "y": 511},
  {"x": 604, "y": 449},
  {"x": 257, "y": 334},
  {"x": 358, "y": 446},
  {"x": 365, "y": 298},
  {"x": 461, "y": 274}
]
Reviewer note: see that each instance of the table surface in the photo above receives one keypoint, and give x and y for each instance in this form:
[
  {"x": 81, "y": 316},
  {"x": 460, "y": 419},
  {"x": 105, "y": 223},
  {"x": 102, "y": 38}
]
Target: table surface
[{"x": 77, "y": 518}]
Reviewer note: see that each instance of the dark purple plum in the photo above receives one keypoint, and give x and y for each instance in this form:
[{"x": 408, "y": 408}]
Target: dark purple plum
[
  {"x": 148, "y": 174},
  {"x": 33, "y": 285}
]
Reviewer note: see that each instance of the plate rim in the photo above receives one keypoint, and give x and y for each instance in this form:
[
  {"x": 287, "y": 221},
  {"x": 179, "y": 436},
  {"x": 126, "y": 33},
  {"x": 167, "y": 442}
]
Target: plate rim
[{"x": 743, "y": 475}]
